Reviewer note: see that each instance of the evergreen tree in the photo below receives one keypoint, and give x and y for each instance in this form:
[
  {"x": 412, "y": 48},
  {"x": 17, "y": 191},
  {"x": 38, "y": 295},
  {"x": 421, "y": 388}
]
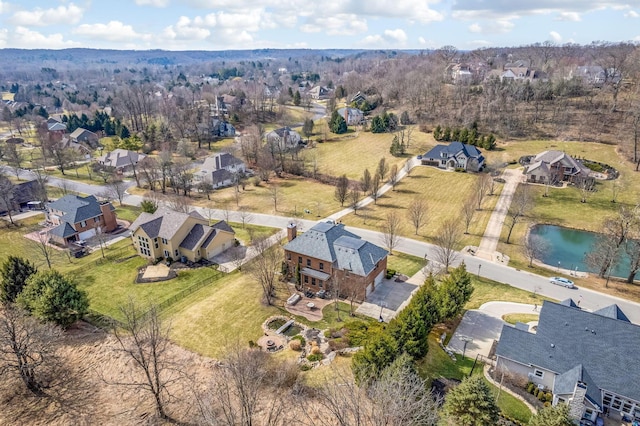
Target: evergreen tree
[
  {"x": 307, "y": 127},
  {"x": 51, "y": 296},
  {"x": 396, "y": 149},
  {"x": 471, "y": 403},
  {"x": 437, "y": 133},
  {"x": 377, "y": 125},
  {"x": 454, "y": 292},
  {"x": 464, "y": 135},
  {"x": 296, "y": 98},
  {"x": 15, "y": 271},
  {"x": 552, "y": 416},
  {"x": 379, "y": 352},
  {"x": 337, "y": 124},
  {"x": 455, "y": 135},
  {"x": 446, "y": 135}
]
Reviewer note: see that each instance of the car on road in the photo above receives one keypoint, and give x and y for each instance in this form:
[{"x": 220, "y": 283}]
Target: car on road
[{"x": 565, "y": 282}]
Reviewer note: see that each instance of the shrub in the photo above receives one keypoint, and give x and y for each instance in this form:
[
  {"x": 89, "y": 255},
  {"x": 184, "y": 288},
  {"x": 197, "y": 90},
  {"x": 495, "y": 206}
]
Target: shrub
[
  {"x": 390, "y": 273},
  {"x": 252, "y": 344},
  {"x": 541, "y": 396},
  {"x": 305, "y": 367},
  {"x": 338, "y": 344},
  {"x": 300, "y": 339},
  {"x": 548, "y": 397},
  {"x": 530, "y": 387},
  {"x": 547, "y": 404},
  {"x": 315, "y": 350},
  {"x": 315, "y": 357},
  {"x": 295, "y": 345},
  {"x": 536, "y": 391}
]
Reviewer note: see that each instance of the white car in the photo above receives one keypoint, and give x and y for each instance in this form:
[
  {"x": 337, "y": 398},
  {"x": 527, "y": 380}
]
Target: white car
[{"x": 562, "y": 281}]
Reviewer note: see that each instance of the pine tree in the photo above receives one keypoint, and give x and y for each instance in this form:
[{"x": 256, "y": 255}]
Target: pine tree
[
  {"x": 471, "y": 403},
  {"x": 552, "y": 416},
  {"x": 454, "y": 292},
  {"x": 337, "y": 124},
  {"x": 437, "y": 133},
  {"x": 15, "y": 271}
]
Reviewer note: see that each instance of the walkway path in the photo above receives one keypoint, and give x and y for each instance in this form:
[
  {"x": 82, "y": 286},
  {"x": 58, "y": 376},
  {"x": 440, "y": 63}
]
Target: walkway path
[{"x": 489, "y": 243}]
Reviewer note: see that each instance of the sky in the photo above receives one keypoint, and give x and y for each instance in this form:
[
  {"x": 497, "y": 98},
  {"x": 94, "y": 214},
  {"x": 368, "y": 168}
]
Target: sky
[{"x": 344, "y": 24}]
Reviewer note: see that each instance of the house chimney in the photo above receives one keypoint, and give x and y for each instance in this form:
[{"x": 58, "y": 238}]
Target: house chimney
[
  {"x": 346, "y": 115},
  {"x": 292, "y": 231},
  {"x": 217, "y": 162}
]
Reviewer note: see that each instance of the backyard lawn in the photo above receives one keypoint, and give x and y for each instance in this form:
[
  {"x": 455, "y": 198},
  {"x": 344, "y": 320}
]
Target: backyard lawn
[
  {"x": 405, "y": 263},
  {"x": 444, "y": 194}
]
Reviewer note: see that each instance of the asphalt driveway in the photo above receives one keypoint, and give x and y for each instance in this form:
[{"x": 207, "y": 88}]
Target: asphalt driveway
[{"x": 389, "y": 297}]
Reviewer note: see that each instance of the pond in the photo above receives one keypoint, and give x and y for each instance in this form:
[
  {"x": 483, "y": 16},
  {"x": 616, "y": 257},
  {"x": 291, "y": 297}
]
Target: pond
[
  {"x": 569, "y": 246},
  {"x": 279, "y": 322}
]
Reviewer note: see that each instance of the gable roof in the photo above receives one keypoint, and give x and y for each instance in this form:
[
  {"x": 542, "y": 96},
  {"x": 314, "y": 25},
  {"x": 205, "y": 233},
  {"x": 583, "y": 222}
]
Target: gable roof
[
  {"x": 612, "y": 311},
  {"x": 219, "y": 161},
  {"x": 63, "y": 230},
  {"x": 284, "y": 132},
  {"x": 80, "y": 132},
  {"x": 196, "y": 235},
  {"x": 333, "y": 243},
  {"x": 552, "y": 157},
  {"x": 120, "y": 158},
  {"x": 164, "y": 223},
  {"x": 56, "y": 126},
  {"x": 76, "y": 209},
  {"x": 603, "y": 342},
  {"x": 452, "y": 149}
]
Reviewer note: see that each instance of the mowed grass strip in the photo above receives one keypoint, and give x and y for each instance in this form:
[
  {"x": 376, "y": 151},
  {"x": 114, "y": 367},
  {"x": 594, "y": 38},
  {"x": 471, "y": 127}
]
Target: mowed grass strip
[{"x": 444, "y": 193}]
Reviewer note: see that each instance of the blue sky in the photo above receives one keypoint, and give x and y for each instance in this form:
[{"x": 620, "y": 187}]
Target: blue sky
[{"x": 374, "y": 24}]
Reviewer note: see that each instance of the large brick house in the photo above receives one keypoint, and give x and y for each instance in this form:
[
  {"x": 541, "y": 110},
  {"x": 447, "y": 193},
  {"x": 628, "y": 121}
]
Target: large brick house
[
  {"x": 329, "y": 257},
  {"x": 78, "y": 218},
  {"x": 173, "y": 235},
  {"x": 586, "y": 359},
  {"x": 555, "y": 166}
]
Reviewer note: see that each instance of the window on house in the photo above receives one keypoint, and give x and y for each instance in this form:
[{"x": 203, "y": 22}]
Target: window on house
[
  {"x": 156, "y": 244},
  {"x": 306, "y": 279},
  {"x": 166, "y": 253},
  {"x": 164, "y": 241},
  {"x": 288, "y": 256},
  {"x": 626, "y": 407},
  {"x": 177, "y": 253},
  {"x": 309, "y": 262},
  {"x": 321, "y": 266},
  {"x": 299, "y": 259},
  {"x": 538, "y": 373},
  {"x": 313, "y": 281},
  {"x": 320, "y": 283},
  {"x": 83, "y": 224}
]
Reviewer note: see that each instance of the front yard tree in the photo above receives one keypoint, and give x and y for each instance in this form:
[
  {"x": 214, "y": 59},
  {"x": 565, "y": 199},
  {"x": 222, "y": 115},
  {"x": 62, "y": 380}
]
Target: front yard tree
[
  {"x": 27, "y": 348},
  {"x": 14, "y": 158},
  {"x": 534, "y": 247},
  {"x": 354, "y": 199},
  {"x": 337, "y": 123},
  {"x": 376, "y": 183},
  {"x": 342, "y": 189},
  {"x": 471, "y": 403},
  {"x": 483, "y": 184},
  {"x": 45, "y": 250},
  {"x": 468, "y": 210},
  {"x": 7, "y": 190},
  {"x": 15, "y": 271},
  {"x": 391, "y": 230},
  {"x": 521, "y": 205},
  {"x": 365, "y": 183},
  {"x": 144, "y": 338},
  {"x": 454, "y": 292},
  {"x": 307, "y": 127},
  {"x": 51, "y": 296},
  {"x": 116, "y": 188},
  {"x": 446, "y": 241},
  {"x": 417, "y": 213},
  {"x": 383, "y": 169},
  {"x": 394, "y": 176},
  {"x": 557, "y": 415}
]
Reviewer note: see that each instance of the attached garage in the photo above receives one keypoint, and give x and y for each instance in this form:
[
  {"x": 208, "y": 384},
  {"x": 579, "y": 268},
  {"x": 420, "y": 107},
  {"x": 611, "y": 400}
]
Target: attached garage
[
  {"x": 87, "y": 234},
  {"x": 368, "y": 290}
]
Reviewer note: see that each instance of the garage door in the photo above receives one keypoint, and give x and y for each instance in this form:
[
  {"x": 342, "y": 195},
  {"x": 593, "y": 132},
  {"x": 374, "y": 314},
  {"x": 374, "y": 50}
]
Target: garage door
[
  {"x": 368, "y": 289},
  {"x": 87, "y": 234},
  {"x": 378, "y": 279}
]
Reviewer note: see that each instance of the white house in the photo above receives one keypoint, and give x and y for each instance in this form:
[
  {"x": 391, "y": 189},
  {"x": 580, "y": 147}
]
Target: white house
[
  {"x": 220, "y": 170},
  {"x": 284, "y": 138}
]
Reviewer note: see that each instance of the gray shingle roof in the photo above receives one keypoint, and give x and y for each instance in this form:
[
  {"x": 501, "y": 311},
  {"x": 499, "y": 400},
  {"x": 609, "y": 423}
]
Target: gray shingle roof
[
  {"x": 333, "y": 243},
  {"x": 196, "y": 235},
  {"x": 76, "y": 208},
  {"x": 612, "y": 311},
  {"x": 454, "y": 148},
  {"x": 164, "y": 223},
  {"x": 64, "y": 230},
  {"x": 567, "y": 336},
  {"x": 223, "y": 226},
  {"x": 119, "y": 158},
  {"x": 219, "y": 161}
]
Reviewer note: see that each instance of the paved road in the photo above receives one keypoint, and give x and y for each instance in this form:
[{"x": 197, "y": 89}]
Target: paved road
[{"x": 489, "y": 242}]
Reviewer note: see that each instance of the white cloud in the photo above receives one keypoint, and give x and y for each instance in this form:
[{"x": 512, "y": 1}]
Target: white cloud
[
  {"x": 555, "y": 36},
  {"x": 632, "y": 14},
  {"x": 426, "y": 43},
  {"x": 4, "y": 36},
  {"x": 3, "y": 7},
  {"x": 569, "y": 16},
  {"x": 154, "y": 3},
  {"x": 389, "y": 38},
  {"x": 24, "y": 38},
  {"x": 38, "y": 17},
  {"x": 341, "y": 24},
  {"x": 114, "y": 31},
  {"x": 475, "y": 28},
  {"x": 186, "y": 29}
]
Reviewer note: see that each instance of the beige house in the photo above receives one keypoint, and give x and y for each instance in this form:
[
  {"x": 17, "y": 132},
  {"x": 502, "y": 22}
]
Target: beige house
[{"x": 170, "y": 234}]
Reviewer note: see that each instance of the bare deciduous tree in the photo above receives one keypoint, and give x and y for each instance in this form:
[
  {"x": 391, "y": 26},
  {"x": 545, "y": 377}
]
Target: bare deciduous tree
[
  {"x": 382, "y": 169},
  {"x": 245, "y": 216},
  {"x": 274, "y": 193},
  {"x": 342, "y": 189},
  {"x": 264, "y": 267},
  {"x": 391, "y": 230},
  {"x": 27, "y": 348},
  {"x": 365, "y": 182},
  {"x": 534, "y": 247},
  {"x": 376, "y": 183},
  {"x": 116, "y": 189},
  {"x": 44, "y": 249},
  {"x": 468, "y": 210},
  {"x": 521, "y": 204},
  {"x": 354, "y": 199},
  {"x": 394, "y": 176},
  {"x": 483, "y": 183},
  {"x": 7, "y": 192},
  {"x": 144, "y": 338},
  {"x": 417, "y": 213},
  {"x": 446, "y": 241},
  {"x": 14, "y": 158}
]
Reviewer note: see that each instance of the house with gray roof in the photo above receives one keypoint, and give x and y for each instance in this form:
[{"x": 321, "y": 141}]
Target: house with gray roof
[
  {"x": 174, "y": 235},
  {"x": 85, "y": 136},
  {"x": 352, "y": 116},
  {"x": 79, "y": 218},
  {"x": 122, "y": 160},
  {"x": 586, "y": 359},
  {"x": 221, "y": 170},
  {"x": 329, "y": 257},
  {"x": 456, "y": 155},
  {"x": 283, "y": 138},
  {"x": 552, "y": 167}
]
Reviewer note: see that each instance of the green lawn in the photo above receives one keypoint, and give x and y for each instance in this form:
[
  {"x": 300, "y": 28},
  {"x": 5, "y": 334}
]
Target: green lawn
[
  {"x": 127, "y": 212},
  {"x": 405, "y": 263},
  {"x": 486, "y": 290},
  {"x": 525, "y": 318},
  {"x": 444, "y": 194}
]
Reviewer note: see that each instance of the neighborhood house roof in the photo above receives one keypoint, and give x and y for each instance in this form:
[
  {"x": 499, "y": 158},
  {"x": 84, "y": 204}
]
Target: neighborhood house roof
[
  {"x": 219, "y": 161},
  {"x": 453, "y": 149},
  {"x": 545, "y": 159},
  {"x": 164, "y": 223},
  {"x": 64, "y": 230},
  {"x": 120, "y": 158},
  {"x": 333, "y": 243},
  {"x": 76, "y": 209},
  {"x": 568, "y": 337}
]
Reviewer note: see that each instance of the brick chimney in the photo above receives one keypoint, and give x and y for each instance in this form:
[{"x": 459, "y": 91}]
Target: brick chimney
[{"x": 292, "y": 231}]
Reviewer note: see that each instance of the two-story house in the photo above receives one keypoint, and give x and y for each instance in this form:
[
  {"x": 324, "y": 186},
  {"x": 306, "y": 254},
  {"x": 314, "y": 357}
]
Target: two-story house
[
  {"x": 173, "y": 235},
  {"x": 554, "y": 167},
  {"x": 78, "y": 218},
  {"x": 121, "y": 159},
  {"x": 85, "y": 136},
  {"x": 329, "y": 257},
  {"x": 352, "y": 116},
  {"x": 456, "y": 155},
  {"x": 283, "y": 138},
  {"x": 588, "y": 360},
  {"x": 220, "y": 170}
]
